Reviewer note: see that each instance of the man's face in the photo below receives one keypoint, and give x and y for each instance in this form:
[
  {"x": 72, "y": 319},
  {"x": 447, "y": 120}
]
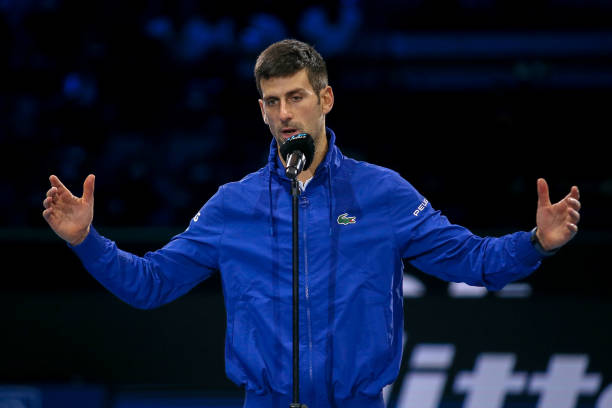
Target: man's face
[{"x": 289, "y": 106}]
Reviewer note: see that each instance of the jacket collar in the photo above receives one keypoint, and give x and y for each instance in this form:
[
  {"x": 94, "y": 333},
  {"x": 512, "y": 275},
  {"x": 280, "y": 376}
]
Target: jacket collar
[
  {"x": 332, "y": 158},
  {"x": 330, "y": 164}
]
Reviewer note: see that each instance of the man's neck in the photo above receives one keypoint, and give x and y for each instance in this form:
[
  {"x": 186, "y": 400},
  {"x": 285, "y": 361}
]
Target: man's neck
[{"x": 320, "y": 152}]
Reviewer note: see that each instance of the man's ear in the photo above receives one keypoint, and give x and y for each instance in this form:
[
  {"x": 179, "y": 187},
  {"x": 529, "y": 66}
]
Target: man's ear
[
  {"x": 327, "y": 99},
  {"x": 263, "y": 112}
]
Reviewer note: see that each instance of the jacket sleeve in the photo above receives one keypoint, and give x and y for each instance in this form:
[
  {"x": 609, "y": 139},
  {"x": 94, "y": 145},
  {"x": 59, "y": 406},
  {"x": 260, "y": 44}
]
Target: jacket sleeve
[
  {"x": 161, "y": 276},
  {"x": 451, "y": 252}
]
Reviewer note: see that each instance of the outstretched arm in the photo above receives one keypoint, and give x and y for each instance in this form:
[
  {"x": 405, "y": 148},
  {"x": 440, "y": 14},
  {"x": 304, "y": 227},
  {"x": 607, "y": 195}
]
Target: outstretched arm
[
  {"x": 145, "y": 282},
  {"x": 69, "y": 216},
  {"x": 557, "y": 223},
  {"x": 428, "y": 240}
]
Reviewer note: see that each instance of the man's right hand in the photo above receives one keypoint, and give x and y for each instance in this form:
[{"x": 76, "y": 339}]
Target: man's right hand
[{"x": 69, "y": 216}]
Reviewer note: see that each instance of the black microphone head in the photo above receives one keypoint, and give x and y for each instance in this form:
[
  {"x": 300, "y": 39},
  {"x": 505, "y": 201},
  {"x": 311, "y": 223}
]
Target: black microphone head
[{"x": 302, "y": 142}]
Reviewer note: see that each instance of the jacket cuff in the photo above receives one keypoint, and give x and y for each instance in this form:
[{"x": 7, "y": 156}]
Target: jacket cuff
[
  {"x": 92, "y": 244},
  {"x": 526, "y": 251}
]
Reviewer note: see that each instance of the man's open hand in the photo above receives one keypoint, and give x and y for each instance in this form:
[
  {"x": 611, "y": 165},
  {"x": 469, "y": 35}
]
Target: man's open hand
[
  {"x": 69, "y": 216},
  {"x": 557, "y": 223}
]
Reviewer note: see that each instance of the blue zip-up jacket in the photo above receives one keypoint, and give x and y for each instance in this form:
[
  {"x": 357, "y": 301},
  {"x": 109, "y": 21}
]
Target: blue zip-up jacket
[{"x": 357, "y": 222}]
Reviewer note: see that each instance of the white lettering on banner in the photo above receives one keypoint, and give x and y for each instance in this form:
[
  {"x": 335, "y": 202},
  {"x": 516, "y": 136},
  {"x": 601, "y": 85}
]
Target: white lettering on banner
[
  {"x": 463, "y": 290},
  {"x": 493, "y": 377},
  {"x": 412, "y": 287},
  {"x": 424, "y": 389},
  {"x": 563, "y": 381},
  {"x": 432, "y": 356},
  {"x": 490, "y": 381},
  {"x": 421, "y": 390},
  {"x": 605, "y": 398}
]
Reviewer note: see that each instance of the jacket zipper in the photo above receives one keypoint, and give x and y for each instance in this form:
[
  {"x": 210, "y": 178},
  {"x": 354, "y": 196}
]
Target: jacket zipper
[{"x": 307, "y": 293}]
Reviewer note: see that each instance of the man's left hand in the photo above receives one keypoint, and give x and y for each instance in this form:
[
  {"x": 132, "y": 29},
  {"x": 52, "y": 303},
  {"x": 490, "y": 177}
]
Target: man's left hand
[{"x": 557, "y": 223}]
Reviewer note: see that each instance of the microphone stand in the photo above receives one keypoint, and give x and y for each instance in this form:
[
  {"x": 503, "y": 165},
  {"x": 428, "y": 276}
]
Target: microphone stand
[{"x": 295, "y": 193}]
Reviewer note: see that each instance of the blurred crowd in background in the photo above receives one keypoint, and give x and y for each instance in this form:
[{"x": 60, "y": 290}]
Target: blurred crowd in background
[{"x": 157, "y": 98}]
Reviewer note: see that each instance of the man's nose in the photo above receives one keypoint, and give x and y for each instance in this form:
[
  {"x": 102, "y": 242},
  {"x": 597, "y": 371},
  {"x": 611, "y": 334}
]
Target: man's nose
[{"x": 285, "y": 112}]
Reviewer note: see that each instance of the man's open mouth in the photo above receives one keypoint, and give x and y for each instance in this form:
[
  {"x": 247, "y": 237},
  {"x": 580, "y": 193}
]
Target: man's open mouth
[{"x": 288, "y": 132}]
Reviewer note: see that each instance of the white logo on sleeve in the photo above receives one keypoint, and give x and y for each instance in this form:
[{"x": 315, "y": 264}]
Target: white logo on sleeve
[
  {"x": 421, "y": 207},
  {"x": 195, "y": 219}
]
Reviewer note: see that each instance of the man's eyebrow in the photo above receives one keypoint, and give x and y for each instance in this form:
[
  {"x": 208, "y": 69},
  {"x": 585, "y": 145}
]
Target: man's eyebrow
[{"x": 291, "y": 92}]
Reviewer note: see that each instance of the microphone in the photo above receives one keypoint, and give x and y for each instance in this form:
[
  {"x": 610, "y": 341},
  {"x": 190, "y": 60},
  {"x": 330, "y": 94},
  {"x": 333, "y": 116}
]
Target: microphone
[{"x": 298, "y": 152}]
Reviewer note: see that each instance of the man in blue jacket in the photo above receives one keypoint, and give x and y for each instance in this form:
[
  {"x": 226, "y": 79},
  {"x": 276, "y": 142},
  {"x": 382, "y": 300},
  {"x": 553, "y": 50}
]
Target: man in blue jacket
[{"x": 358, "y": 222}]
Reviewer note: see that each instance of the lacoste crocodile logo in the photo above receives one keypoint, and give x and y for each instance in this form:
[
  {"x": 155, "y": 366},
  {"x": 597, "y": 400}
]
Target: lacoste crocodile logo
[{"x": 344, "y": 219}]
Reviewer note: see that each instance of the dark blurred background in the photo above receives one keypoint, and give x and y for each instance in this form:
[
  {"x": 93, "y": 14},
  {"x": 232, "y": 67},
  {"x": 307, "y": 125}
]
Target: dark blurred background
[{"x": 470, "y": 100}]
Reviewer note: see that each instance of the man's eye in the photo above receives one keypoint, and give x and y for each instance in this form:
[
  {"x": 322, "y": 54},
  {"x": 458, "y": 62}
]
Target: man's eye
[
  {"x": 296, "y": 98},
  {"x": 271, "y": 102}
]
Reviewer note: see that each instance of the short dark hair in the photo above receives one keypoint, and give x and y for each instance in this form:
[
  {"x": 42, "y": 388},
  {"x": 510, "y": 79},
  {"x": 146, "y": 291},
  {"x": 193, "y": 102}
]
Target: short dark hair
[{"x": 286, "y": 57}]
